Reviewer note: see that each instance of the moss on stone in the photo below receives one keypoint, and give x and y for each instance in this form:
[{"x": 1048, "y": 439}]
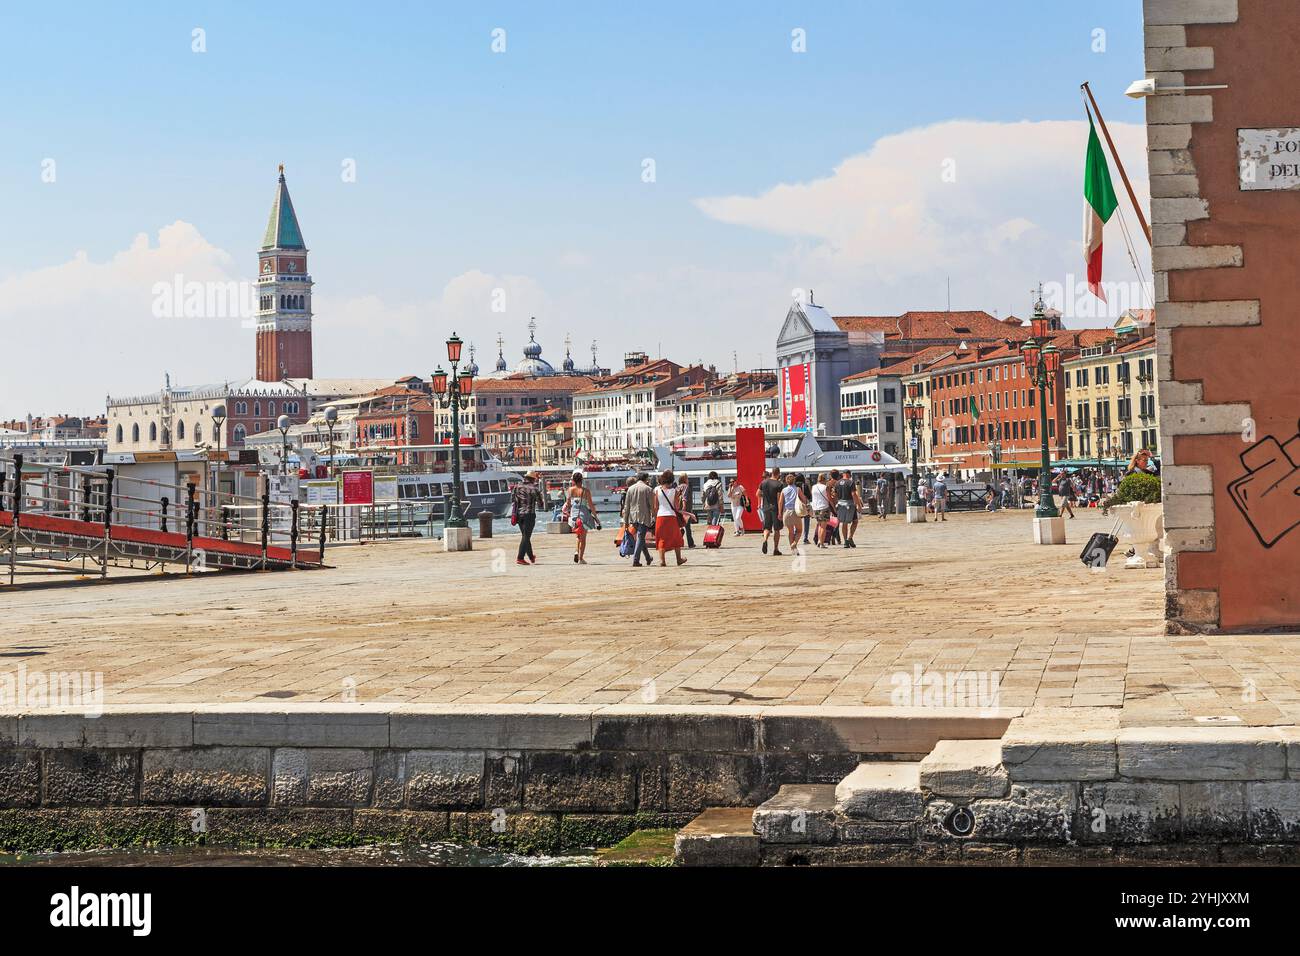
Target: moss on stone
[{"x": 641, "y": 848}]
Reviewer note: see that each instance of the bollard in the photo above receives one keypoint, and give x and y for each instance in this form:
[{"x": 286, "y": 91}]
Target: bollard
[
  {"x": 191, "y": 510},
  {"x": 108, "y": 518},
  {"x": 485, "y": 524},
  {"x": 266, "y": 524},
  {"x": 322, "y": 516},
  {"x": 163, "y": 519},
  {"x": 225, "y": 522},
  {"x": 85, "y": 498},
  {"x": 293, "y": 532}
]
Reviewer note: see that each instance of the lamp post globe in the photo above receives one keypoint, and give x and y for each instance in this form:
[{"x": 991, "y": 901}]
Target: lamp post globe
[
  {"x": 218, "y": 426},
  {"x": 282, "y": 423}
]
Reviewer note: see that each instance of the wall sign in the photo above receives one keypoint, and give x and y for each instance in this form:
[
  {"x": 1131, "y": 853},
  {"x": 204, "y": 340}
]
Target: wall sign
[{"x": 1268, "y": 158}]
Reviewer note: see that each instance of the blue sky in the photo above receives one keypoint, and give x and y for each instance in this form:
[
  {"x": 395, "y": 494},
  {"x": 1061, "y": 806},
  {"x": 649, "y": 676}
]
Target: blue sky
[{"x": 520, "y": 169}]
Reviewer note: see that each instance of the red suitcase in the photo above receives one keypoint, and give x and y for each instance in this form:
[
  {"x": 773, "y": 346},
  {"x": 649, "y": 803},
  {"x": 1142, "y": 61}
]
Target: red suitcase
[{"x": 713, "y": 536}]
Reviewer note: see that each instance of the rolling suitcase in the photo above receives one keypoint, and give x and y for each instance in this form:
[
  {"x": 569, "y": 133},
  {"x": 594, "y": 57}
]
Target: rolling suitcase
[
  {"x": 713, "y": 536},
  {"x": 1097, "y": 551}
]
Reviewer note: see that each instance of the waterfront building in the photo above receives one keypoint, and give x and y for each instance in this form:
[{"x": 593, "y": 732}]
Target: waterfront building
[
  {"x": 817, "y": 351},
  {"x": 759, "y": 408},
  {"x": 616, "y": 414},
  {"x": 871, "y": 402},
  {"x": 1112, "y": 405}
]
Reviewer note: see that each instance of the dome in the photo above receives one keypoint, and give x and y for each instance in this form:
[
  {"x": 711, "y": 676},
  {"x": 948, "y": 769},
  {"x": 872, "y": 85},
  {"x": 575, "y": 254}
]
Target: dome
[
  {"x": 533, "y": 363},
  {"x": 471, "y": 366}
]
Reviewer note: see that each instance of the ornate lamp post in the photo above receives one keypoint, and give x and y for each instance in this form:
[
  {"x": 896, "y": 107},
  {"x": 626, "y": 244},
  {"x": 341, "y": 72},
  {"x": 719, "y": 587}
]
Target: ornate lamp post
[
  {"x": 331, "y": 419},
  {"x": 218, "y": 426},
  {"x": 915, "y": 412},
  {"x": 1042, "y": 362},
  {"x": 453, "y": 392},
  {"x": 282, "y": 423}
]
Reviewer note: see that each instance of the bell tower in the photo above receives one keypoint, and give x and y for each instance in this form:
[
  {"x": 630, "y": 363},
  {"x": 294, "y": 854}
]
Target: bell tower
[{"x": 283, "y": 295}]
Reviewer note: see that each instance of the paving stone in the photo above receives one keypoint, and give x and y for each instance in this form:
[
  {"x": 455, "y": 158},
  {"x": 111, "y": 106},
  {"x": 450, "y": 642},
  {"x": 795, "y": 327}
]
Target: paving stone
[
  {"x": 206, "y": 777},
  {"x": 100, "y": 778},
  {"x": 1126, "y": 812},
  {"x": 965, "y": 768},
  {"x": 444, "y": 779},
  {"x": 1211, "y": 753},
  {"x": 881, "y": 791},
  {"x": 799, "y": 813}
]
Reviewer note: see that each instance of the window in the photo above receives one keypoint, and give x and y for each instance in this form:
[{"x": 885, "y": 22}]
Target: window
[
  {"x": 270, "y": 409},
  {"x": 198, "y": 433},
  {"x": 257, "y": 409},
  {"x": 180, "y": 431},
  {"x": 119, "y": 434},
  {"x": 153, "y": 431}
]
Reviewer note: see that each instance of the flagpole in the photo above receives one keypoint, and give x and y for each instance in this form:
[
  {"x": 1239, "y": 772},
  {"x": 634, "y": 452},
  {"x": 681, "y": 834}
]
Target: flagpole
[{"x": 1122, "y": 174}]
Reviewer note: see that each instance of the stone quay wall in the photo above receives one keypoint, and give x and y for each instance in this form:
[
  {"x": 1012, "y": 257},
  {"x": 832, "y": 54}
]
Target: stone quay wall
[{"x": 533, "y": 778}]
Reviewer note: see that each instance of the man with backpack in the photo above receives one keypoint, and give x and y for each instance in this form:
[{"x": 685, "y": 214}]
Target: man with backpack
[{"x": 711, "y": 497}]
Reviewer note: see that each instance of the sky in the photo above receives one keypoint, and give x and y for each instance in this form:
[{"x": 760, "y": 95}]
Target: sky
[{"x": 662, "y": 177}]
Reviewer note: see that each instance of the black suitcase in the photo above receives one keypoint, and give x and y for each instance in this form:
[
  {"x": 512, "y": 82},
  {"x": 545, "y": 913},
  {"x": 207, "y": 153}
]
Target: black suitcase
[{"x": 1097, "y": 551}]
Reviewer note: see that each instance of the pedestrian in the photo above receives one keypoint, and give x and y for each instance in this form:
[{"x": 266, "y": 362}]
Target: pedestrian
[
  {"x": 639, "y": 513},
  {"x": 580, "y": 512},
  {"x": 1066, "y": 488},
  {"x": 833, "y": 527},
  {"x": 882, "y": 495},
  {"x": 821, "y": 509},
  {"x": 847, "y": 504},
  {"x": 711, "y": 495},
  {"x": 926, "y": 493},
  {"x": 793, "y": 508},
  {"x": 941, "y": 496},
  {"x": 736, "y": 495},
  {"x": 668, "y": 519},
  {"x": 769, "y": 493},
  {"x": 805, "y": 488},
  {"x": 687, "y": 498},
  {"x": 526, "y": 498}
]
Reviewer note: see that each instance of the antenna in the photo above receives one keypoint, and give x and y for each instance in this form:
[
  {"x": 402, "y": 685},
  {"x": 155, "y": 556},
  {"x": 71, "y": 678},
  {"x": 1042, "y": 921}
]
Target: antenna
[{"x": 949, "y": 293}]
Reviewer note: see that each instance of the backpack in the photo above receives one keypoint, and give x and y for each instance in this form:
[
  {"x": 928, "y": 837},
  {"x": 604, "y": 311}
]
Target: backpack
[{"x": 711, "y": 497}]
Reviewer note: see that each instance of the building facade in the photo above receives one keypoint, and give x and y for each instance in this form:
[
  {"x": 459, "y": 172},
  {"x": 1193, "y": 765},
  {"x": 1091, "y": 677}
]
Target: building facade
[{"x": 1112, "y": 398}]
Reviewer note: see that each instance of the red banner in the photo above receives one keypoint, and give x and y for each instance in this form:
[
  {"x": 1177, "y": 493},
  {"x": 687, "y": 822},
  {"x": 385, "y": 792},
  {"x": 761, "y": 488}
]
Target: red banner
[
  {"x": 796, "y": 396},
  {"x": 751, "y": 464}
]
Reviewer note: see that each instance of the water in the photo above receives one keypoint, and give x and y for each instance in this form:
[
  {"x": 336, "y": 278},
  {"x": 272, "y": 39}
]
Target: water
[{"x": 426, "y": 854}]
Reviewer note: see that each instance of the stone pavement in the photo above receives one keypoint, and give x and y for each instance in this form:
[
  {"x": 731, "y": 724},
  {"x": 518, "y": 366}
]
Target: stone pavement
[{"x": 405, "y": 622}]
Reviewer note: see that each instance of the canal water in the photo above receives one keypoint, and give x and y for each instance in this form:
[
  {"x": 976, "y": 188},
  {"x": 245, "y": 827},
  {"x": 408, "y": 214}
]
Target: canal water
[{"x": 429, "y": 854}]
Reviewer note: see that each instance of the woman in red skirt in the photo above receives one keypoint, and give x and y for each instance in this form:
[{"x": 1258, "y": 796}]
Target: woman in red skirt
[{"x": 668, "y": 519}]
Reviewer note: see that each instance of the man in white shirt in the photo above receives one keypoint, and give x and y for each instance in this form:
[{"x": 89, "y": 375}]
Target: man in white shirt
[{"x": 821, "y": 508}]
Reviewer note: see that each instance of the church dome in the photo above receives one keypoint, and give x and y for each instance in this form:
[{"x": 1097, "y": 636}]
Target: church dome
[{"x": 533, "y": 364}]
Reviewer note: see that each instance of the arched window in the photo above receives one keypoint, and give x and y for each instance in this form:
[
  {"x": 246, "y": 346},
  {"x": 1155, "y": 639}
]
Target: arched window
[
  {"x": 135, "y": 433},
  {"x": 270, "y": 409},
  {"x": 153, "y": 431},
  {"x": 198, "y": 433},
  {"x": 257, "y": 409},
  {"x": 180, "y": 431},
  {"x": 238, "y": 437},
  {"x": 119, "y": 434}
]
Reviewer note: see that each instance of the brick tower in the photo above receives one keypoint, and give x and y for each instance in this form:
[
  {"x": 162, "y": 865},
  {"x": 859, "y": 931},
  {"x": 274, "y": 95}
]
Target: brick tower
[{"x": 283, "y": 295}]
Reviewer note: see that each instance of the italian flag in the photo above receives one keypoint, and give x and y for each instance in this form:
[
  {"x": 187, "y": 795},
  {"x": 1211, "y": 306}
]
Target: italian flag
[{"x": 1098, "y": 205}]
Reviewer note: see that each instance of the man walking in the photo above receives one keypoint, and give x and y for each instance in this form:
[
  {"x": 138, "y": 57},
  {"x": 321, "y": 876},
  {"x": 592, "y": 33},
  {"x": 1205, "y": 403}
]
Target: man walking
[
  {"x": 525, "y": 500},
  {"x": 941, "y": 496},
  {"x": 639, "y": 511},
  {"x": 769, "y": 493},
  {"x": 847, "y": 504},
  {"x": 882, "y": 495},
  {"x": 711, "y": 495}
]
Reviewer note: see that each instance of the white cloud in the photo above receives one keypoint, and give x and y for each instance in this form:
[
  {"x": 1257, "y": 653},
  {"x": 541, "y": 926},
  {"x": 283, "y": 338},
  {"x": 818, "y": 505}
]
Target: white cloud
[{"x": 994, "y": 206}]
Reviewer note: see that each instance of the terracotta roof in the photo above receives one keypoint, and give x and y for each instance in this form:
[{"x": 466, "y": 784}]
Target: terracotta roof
[
  {"x": 930, "y": 325},
  {"x": 544, "y": 383},
  {"x": 907, "y": 365}
]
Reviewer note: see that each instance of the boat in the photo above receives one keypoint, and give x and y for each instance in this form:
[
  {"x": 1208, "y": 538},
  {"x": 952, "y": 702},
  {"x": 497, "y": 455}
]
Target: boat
[{"x": 797, "y": 452}]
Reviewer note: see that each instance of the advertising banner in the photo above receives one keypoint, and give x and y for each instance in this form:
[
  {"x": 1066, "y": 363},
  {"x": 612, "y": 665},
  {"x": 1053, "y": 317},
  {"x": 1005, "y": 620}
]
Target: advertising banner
[
  {"x": 358, "y": 487},
  {"x": 796, "y": 396}
]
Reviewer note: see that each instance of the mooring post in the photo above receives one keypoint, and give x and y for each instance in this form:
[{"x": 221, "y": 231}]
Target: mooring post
[
  {"x": 162, "y": 526},
  {"x": 293, "y": 532},
  {"x": 108, "y": 520},
  {"x": 16, "y": 503},
  {"x": 190, "y": 512},
  {"x": 266, "y": 524},
  {"x": 85, "y": 498},
  {"x": 323, "y": 518}
]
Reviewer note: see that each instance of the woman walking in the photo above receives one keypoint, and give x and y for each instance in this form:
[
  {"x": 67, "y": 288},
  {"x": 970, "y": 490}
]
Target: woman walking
[
  {"x": 794, "y": 507},
  {"x": 668, "y": 519},
  {"x": 580, "y": 512},
  {"x": 736, "y": 495},
  {"x": 525, "y": 500}
]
